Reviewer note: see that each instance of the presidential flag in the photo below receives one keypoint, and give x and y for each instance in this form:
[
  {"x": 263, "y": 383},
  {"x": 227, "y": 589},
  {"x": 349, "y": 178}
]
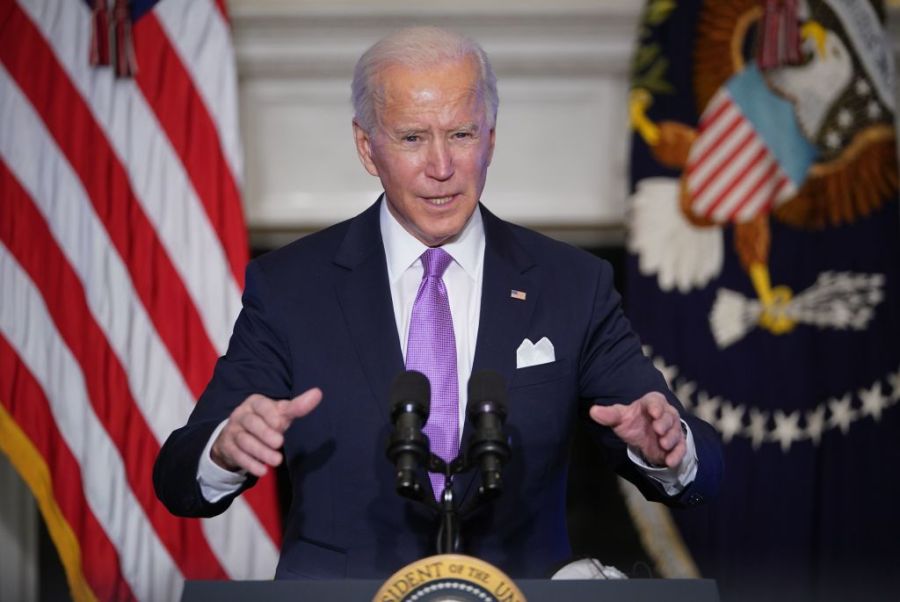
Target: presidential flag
[
  {"x": 122, "y": 249},
  {"x": 764, "y": 280}
]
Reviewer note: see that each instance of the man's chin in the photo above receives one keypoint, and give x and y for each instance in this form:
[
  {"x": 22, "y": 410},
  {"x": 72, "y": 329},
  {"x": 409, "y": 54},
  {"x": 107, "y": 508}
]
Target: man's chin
[
  {"x": 435, "y": 237},
  {"x": 438, "y": 240}
]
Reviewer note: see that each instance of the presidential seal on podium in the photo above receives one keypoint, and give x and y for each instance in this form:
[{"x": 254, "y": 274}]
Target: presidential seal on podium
[{"x": 449, "y": 578}]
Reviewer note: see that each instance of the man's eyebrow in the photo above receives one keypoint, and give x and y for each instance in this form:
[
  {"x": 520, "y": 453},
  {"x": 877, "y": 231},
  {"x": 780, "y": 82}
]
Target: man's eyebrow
[
  {"x": 406, "y": 131},
  {"x": 402, "y": 131}
]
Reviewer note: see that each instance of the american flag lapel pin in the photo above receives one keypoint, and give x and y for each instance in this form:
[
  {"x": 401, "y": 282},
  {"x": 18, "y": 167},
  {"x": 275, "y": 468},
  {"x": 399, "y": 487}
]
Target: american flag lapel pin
[{"x": 520, "y": 295}]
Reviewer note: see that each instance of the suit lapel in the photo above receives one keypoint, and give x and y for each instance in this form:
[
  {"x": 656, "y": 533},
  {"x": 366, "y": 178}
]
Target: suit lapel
[
  {"x": 365, "y": 299},
  {"x": 504, "y": 319}
]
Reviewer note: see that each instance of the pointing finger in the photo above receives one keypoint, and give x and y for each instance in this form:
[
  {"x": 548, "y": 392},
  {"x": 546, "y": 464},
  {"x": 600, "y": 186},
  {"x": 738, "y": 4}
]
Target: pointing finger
[
  {"x": 267, "y": 410},
  {"x": 655, "y": 403},
  {"x": 665, "y": 423}
]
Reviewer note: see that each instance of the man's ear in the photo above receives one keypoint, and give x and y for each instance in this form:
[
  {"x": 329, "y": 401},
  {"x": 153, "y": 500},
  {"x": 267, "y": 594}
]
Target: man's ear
[
  {"x": 491, "y": 150},
  {"x": 364, "y": 148}
]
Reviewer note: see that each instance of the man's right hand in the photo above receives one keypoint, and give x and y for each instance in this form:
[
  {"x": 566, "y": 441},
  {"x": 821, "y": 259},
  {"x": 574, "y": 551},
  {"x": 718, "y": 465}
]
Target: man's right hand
[{"x": 255, "y": 431}]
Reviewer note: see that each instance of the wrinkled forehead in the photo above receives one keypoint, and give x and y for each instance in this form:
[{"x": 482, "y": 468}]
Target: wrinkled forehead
[{"x": 399, "y": 87}]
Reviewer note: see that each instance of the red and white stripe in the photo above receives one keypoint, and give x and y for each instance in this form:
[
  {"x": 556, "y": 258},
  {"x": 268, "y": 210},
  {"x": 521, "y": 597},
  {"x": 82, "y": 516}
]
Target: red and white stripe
[
  {"x": 731, "y": 175},
  {"x": 122, "y": 247}
]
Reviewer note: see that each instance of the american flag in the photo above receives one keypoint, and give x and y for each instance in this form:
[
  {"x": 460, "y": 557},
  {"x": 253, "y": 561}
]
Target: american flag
[
  {"x": 749, "y": 155},
  {"x": 122, "y": 249}
]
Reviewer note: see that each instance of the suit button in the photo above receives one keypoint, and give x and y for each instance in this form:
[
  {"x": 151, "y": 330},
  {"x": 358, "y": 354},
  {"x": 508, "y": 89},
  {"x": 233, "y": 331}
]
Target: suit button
[{"x": 695, "y": 500}]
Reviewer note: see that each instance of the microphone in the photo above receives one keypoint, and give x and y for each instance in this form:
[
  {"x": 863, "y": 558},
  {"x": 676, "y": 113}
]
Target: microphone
[
  {"x": 487, "y": 411},
  {"x": 408, "y": 446}
]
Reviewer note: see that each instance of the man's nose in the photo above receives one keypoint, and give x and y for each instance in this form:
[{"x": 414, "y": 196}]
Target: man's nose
[{"x": 440, "y": 160}]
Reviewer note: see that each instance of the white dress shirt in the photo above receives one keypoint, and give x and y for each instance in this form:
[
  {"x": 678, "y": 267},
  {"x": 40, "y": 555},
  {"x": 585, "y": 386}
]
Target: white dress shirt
[{"x": 463, "y": 279}]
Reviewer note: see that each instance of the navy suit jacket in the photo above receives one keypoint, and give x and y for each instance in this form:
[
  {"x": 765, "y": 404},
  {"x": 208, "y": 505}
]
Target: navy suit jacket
[{"x": 318, "y": 312}]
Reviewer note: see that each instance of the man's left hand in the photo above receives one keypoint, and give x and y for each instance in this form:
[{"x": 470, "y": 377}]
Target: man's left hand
[{"x": 649, "y": 424}]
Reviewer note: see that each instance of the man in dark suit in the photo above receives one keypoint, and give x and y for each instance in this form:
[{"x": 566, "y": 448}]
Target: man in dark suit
[{"x": 329, "y": 320}]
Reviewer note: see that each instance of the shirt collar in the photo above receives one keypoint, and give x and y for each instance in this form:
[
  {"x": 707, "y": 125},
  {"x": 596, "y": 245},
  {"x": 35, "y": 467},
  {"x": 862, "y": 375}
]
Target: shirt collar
[{"x": 402, "y": 249}]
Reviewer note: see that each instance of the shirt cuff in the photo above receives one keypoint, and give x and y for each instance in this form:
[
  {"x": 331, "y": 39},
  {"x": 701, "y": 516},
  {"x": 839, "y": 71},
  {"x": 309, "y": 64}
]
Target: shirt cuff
[
  {"x": 673, "y": 480},
  {"x": 217, "y": 482}
]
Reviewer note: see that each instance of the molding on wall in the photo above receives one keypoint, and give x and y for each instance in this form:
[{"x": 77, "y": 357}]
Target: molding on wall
[{"x": 276, "y": 39}]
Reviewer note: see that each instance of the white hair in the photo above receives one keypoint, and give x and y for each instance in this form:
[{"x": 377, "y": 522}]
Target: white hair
[{"x": 417, "y": 48}]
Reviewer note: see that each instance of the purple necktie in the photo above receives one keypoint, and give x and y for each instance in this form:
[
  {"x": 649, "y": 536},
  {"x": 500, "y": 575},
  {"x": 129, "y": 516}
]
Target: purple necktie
[{"x": 431, "y": 349}]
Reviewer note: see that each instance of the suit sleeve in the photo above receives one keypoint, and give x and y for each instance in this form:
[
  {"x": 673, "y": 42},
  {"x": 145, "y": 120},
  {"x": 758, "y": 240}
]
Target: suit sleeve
[
  {"x": 257, "y": 361},
  {"x": 614, "y": 370}
]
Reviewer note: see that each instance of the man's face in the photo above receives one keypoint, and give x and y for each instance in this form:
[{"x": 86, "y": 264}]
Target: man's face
[{"x": 431, "y": 147}]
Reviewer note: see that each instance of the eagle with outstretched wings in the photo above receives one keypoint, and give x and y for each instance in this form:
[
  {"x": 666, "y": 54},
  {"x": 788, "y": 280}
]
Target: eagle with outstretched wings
[{"x": 796, "y": 124}]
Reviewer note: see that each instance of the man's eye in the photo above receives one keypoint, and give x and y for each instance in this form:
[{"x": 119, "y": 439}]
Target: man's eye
[
  {"x": 462, "y": 135},
  {"x": 411, "y": 138}
]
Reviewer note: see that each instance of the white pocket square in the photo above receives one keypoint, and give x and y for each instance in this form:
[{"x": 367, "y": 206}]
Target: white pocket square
[{"x": 535, "y": 354}]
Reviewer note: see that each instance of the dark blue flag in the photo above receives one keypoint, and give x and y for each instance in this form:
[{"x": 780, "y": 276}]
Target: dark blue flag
[{"x": 764, "y": 279}]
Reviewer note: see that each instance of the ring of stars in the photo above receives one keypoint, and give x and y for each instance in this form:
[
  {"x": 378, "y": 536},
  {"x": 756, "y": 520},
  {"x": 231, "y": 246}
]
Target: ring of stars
[
  {"x": 473, "y": 591},
  {"x": 733, "y": 420}
]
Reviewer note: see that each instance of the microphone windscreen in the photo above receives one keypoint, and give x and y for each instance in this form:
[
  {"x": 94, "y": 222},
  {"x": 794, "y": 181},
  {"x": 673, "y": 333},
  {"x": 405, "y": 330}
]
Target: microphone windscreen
[
  {"x": 411, "y": 386},
  {"x": 487, "y": 385}
]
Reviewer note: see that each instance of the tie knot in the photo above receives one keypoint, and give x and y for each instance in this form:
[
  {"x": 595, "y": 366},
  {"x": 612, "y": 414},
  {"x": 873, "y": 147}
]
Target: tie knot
[{"x": 435, "y": 262}]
